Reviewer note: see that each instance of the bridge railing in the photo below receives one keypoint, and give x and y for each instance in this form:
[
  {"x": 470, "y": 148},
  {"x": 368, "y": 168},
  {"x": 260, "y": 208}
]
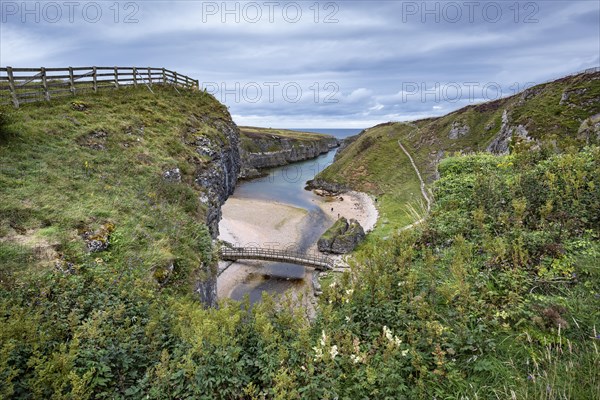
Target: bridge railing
[
  {"x": 257, "y": 252},
  {"x": 27, "y": 85}
]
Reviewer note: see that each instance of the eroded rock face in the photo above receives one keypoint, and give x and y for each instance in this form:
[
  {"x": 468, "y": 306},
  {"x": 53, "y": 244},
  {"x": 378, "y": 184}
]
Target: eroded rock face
[
  {"x": 502, "y": 141},
  {"x": 458, "y": 130},
  {"x": 589, "y": 130},
  {"x": 331, "y": 188},
  {"x": 342, "y": 237},
  {"x": 288, "y": 151},
  {"x": 218, "y": 177}
]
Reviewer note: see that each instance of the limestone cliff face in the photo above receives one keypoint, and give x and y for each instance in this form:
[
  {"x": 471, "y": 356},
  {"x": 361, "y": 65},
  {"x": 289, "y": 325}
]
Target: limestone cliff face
[
  {"x": 272, "y": 151},
  {"x": 216, "y": 177}
]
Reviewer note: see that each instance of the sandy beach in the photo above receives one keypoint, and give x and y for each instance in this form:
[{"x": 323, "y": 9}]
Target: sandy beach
[
  {"x": 252, "y": 222},
  {"x": 255, "y": 223},
  {"x": 357, "y": 205}
]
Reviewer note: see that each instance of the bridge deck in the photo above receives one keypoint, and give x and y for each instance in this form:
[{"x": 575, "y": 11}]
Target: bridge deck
[{"x": 292, "y": 257}]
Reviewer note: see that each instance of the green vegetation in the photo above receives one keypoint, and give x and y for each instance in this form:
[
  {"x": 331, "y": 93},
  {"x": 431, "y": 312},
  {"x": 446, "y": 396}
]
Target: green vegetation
[
  {"x": 495, "y": 295},
  {"x": 282, "y": 133},
  {"x": 69, "y": 167},
  {"x": 376, "y": 164},
  {"x": 552, "y": 114}
]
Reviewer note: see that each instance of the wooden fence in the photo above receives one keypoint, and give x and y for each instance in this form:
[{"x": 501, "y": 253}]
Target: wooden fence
[{"x": 27, "y": 85}]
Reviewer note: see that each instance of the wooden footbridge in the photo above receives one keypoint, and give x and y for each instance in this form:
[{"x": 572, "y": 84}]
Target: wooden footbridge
[{"x": 292, "y": 257}]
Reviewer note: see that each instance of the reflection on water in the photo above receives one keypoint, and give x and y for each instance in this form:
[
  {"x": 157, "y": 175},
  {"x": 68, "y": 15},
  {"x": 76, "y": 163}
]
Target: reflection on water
[
  {"x": 286, "y": 184},
  {"x": 257, "y": 283}
]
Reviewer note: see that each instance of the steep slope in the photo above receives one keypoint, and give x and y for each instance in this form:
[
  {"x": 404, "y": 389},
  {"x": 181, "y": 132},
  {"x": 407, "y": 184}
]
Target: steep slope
[
  {"x": 555, "y": 115},
  {"x": 129, "y": 179}
]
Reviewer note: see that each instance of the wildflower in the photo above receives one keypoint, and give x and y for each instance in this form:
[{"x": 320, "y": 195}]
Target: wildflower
[
  {"x": 391, "y": 338},
  {"x": 323, "y": 338},
  {"x": 347, "y": 318},
  {"x": 355, "y": 359},
  {"x": 332, "y": 285},
  {"x": 349, "y": 292},
  {"x": 388, "y": 333},
  {"x": 405, "y": 352},
  {"x": 333, "y": 351},
  {"x": 318, "y": 353}
]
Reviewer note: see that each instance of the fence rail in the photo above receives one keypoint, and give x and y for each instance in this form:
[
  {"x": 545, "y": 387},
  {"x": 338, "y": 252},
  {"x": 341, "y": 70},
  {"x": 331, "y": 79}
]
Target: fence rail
[
  {"x": 294, "y": 257},
  {"x": 27, "y": 85}
]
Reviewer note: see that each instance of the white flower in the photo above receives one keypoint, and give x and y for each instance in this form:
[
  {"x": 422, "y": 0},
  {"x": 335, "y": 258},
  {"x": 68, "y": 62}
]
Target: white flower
[
  {"x": 349, "y": 292},
  {"x": 318, "y": 353},
  {"x": 333, "y": 351},
  {"x": 405, "y": 352},
  {"x": 391, "y": 338},
  {"x": 323, "y": 338},
  {"x": 347, "y": 318},
  {"x": 355, "y": 359},
  {"x": 388, "y": 333},
  {"x": 332, "y": 285}
]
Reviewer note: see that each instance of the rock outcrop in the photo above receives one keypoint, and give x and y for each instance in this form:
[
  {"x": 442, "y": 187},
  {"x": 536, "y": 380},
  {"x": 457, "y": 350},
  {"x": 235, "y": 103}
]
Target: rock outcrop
[
  {"x": 589, "y": 130},
  {"x": 342, "y": 237},
  {"x": 500, "y": 144},
  {"x": 267, "y": 151},
  {"x": 332, "y": 188},
  {"x": 458, "y": 130},
  {"x": 217, "y": 178}
]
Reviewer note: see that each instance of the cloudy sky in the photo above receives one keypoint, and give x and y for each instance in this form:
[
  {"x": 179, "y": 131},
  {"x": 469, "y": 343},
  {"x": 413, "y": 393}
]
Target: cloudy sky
[{"x": 308, "y": 64}]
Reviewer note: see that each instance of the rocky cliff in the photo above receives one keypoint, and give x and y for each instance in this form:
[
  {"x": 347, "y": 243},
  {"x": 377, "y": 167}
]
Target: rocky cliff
[
  {"x": 218, "y": 176},
  {"x": 266, "y": 148}
]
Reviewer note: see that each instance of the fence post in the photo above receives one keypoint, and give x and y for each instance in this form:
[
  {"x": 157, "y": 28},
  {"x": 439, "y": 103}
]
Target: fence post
[
  {"x": 95, "y": 79},
  {"x": 134, "y": 76},
  {"x": 116, "y": 73},
  {"x": 11, "y": 85},
  {"x": 149, "y": 76},
  {"x": 71, "y": 81},
  {"x": 175, "y": 73},
  {"x": 45, "y": 84},
  {"x": 164, "y": 76}
]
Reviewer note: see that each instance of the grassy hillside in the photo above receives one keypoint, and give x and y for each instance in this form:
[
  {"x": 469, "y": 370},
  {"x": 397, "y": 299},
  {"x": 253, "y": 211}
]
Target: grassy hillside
[
  {"x": 93, "y": 165},
  {"x": 551, "y": 114},
  {"x": 495, "y": 295}
]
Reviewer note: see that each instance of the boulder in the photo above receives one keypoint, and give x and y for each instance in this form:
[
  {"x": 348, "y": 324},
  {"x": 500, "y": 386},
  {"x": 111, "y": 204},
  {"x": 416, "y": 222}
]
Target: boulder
[
  {"x": 342, "y": 237},
  {"x": 172, "y": 175}
]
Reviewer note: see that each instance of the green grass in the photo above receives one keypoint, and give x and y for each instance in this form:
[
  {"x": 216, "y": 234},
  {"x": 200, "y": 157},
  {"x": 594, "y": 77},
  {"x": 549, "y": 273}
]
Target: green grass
[
  {"x": 375, "y": 164},
  {"x": 282, "y": 133},
  {"x": 65, "y": 171},
  {"x": 258, "y": 140}
]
